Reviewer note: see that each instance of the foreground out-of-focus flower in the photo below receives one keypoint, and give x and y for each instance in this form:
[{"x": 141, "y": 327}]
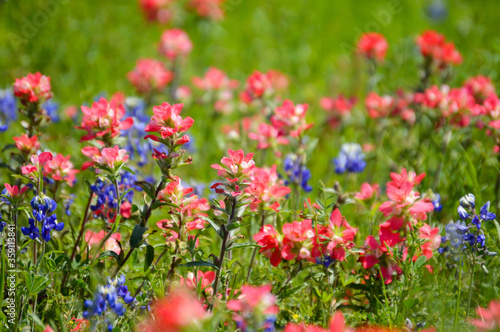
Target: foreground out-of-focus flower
[{"x": 179, "y": 311}]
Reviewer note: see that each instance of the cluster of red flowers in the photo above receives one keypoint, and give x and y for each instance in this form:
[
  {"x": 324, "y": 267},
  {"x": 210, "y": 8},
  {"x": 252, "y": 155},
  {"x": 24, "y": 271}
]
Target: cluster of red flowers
[
  {"x": 338, "y": 108},
  {"x": 34, "y": 88},
  {"x": 163, "y": 11},
  {"x": 174, "y": 44},
  {"x": 373, "y": 45},
  {"x": 150, "y": 75},
  {"x": 107, "y": 157},
  {"x": 300, "y": 240},
  {"x": 434, "y": 46},
  {"x": 219, "y": 88},
  {"x": 260, "y": 85},
  {"x": 104, "y": 120}
]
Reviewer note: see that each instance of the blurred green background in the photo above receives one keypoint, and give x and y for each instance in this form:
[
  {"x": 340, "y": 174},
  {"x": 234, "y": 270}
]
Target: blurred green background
[{"x": 88, "y": 46}]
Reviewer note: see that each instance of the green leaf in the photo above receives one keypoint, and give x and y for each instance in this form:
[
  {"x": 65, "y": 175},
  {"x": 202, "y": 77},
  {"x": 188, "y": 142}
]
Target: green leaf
[
  {"x": 243, "y": 245},
  {"x": 110, "y": 253},
  {"x": 420, "y": 262},
  {"x": 37, "y": 284},
  {"x": 199, "y": 263},
  {"x": 147, "y": 187},
  {"x": 213, "y": 224},
  {"x": 136, "y": 237},
  {"x": 150, "y": 256}
]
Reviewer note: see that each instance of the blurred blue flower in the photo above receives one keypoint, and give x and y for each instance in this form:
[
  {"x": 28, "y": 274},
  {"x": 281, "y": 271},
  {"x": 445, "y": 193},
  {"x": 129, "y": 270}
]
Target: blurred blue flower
[
  {"x": 52, "y": 109},
  {"x": 351, "y": 159},
  {"x": 8, "y": 109},
  {"x": 297, "y": 174}
]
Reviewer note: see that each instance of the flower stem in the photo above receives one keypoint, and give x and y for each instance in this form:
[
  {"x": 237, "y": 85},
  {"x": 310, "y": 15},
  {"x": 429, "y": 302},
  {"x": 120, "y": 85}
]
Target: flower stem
[{"x": 80, "y": 234}]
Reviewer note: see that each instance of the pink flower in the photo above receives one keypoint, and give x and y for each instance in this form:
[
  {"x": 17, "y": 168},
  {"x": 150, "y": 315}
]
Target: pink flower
[
  {"x": 175, "y": 43},
  {"x": 433, "y": 45},
  {"x": 14, "y": 191},
  {"x": 37, "y": 162},
  {"x": 489, "y": 317},
  {"x": 480, "y": 87},
  {"x": 253, "y": 301},
  {"x": 60, "y": 169},
  {"x": 432, "y": 240},
  {"x": 268, "y": 136},
  {"x": 298, "y": 240},
  {"x": 33, "y": 88},
  {"x": 367, "y": 191},
  {"x": 215, "y": 79},
  {"x": 339, "y": 105},
  {"x": 236, "y": 164},
  {"x": 150, "y": 75},
  {"x": 206, "y": 280},
  {"x": 270, "y": 244},
  {"x": 167, "y": 121},
  {"x": 111, "y": 157},
  {"x": 156, "y": 10},
  {"x": 208, "y": 8},
  {"x": 26, "y": 144},
  {"x": 405, "y": 203},
  {"x": 111, "y": 244},
  {"x": 379, "y": 106},
  {"x": 176, "y": 194},
  {"x": 257, "y": 85},
  {"x": 376, "y": 253},
  {"x": 268, "y": 188},
  {"x": 373, "y": 45},
  {"x": 176, "y": 312},
  {"x": 104, "y": 120},
  {"x": 289, "y": 119},
  {"x": 335, "y": 237}
]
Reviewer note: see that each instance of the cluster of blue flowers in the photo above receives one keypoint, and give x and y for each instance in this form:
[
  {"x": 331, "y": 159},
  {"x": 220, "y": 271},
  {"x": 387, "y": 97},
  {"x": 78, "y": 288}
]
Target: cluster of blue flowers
[
  {"x": 297, "y": 173},
  {"x": 108, "y": 296},
  {"x": 137, "y": 147},
  {"x": 107, "y": 200},
  {"x": 351, "y": 159},
  {"x": 8, "y": 109},
  {"x": 43, "y": 208},
  {"x": 462, "y": 235}
]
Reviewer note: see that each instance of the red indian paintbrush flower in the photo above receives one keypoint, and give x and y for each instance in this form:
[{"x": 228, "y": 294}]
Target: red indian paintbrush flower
[
  {"x": 167, "y": 121},
  {"x": 373, "y": 45},
  {"x": 175, "y": 43},
  {"x": 104, "y": 120},
  {"x": 33, "y": 88},
  {"x": 150, "y": 75}
]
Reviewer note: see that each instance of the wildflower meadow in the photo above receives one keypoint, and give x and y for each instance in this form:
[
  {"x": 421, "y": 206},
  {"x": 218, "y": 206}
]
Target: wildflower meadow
[{"x": 229, "y": 165}]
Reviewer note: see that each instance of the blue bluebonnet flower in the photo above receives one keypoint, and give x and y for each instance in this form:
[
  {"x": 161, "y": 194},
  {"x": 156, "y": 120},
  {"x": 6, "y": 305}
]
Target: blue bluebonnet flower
[
  {"x": 67, "y": 205},
  {"x": 326, "y": 261},
  {"x": 467, "y": 234},
  {"x": 351, "y": 159},
  {"x": 485, "y": 214},
  {"x": 468, "y": 201},
  {"x": 43, "y": 208},
  {"x": 108, "y": 296},
  {"x": 52, "y": 109},
  {"x": 462, "y": 213},
  {"x": 297, "y": 174},
  {"x": 8, "y": 109},
  {"x": 2, "y": 224},
  {"x": 437, "y": 10},
  {"x": 438, "y": 207},
  {"x": 107, "y": 200},
  {"x": 137, "y": 147}
]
